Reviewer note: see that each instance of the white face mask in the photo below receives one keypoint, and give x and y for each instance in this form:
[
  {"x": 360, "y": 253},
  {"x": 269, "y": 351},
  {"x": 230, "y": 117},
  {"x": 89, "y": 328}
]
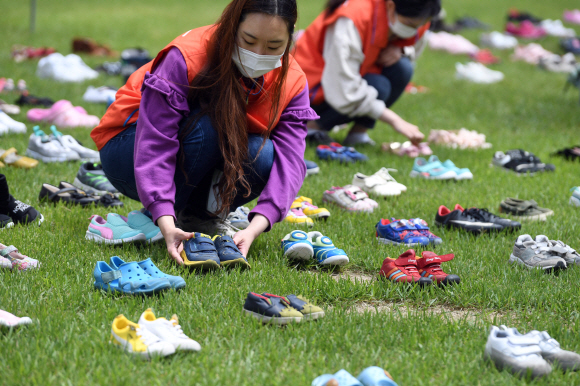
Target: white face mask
[
  {"x": 253, "y": 65},
  {"x": 402, "y": 30}
]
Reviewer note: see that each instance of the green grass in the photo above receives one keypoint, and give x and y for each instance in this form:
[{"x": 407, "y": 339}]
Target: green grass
[{"x": 68, "y": 344}]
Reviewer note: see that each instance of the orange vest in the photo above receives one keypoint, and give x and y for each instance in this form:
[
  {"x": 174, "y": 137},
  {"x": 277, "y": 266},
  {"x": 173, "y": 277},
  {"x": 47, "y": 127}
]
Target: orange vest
[
  {"x": 124, "y": 111},
  {"x": 371, "y": 20}
]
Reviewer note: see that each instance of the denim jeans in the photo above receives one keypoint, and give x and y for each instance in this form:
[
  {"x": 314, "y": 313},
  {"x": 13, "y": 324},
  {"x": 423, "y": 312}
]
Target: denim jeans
[
  {"x": 390, "y": 84},
  {"x": 193, "y": 176}
]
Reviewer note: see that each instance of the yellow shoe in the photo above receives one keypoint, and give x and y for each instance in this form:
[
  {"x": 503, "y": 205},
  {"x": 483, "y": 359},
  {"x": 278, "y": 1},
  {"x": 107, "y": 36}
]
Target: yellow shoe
[
  {"x": 297, "y": 217},
  {"x": 134, "y": 339},
  {"x": 303, "y": 199},
  {"x": 1, "y": 165},
  {"x": 309, "y": 209},
  {"x": 12, "y": 159}
]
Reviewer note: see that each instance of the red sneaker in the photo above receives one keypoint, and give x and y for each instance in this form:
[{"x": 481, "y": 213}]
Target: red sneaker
[
  {"x": 404, "y": 269},
  {"x": 429, "y": 265},
  {"x": 485, "y": 57}
]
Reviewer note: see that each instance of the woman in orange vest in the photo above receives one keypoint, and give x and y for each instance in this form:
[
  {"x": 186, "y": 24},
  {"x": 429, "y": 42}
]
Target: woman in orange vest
[
  {"x": 352, "y": 57},
  {"x": 216, "y": 120}
]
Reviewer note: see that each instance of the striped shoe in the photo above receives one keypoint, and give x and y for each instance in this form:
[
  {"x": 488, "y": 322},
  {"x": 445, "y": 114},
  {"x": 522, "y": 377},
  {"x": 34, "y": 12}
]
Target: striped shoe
[
  {"x": 324, "y": 250},
  {"x": 429, "y": 265},
  {"x": 403, "y": 270}
]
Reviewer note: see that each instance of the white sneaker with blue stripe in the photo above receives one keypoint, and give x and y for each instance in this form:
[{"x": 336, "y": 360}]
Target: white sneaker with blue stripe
[
  {"x": 324, "y": 250},
  {"x": 297, "y": 246}
]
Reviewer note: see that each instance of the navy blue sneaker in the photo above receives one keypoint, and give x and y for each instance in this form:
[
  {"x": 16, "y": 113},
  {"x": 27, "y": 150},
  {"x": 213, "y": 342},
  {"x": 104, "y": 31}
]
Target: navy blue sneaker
[
  {"x": 306, "y": 308},
  {"x": 399, "y": 233},
  {"x": 311, "y": 167},
  {"x": 423, "y": 228},
  {"x": 325, "y": 152},
  {"x": 200, "y": 252},
  {"x": 228, "y": 252},
  {"x": 349, "y": 151},
  {"x": 271, "y": 310}
]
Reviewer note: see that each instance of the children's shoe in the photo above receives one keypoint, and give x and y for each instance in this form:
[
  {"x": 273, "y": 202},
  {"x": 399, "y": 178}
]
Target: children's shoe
[
  {"x": 352, "y": 199},
  {"x": 112, "y": 231},
  {"x": 309, "y": 209},
  {"x": 92, "y": 178},
  {"x": 309, "y": 310},
  {"x": 177, "y": 282},
  {"x": 10, "y": 321},
  {"x": 423, "y": 228},
  {"x": 271, "y": 310},
  {"x": 311, "y": 168},
  {"x": 12, "y": 259},
  {"x": 239, "y": 217},
  {"x": 431, "y": 170},
  {"x": 325, "y": 152},
  {"x": 429, "y": 265},
  {"x": 297, "y": 246},
  {"x": 524, "y": 209},
  {"x": 139, "y": 222},
  {"x": 297, "y": 217},
  {"x": 168, "y": 331},
  {"x": 229, "y": 254},
  {"x": 22, "y": 213},
  {"x": 340, "y": 378},
  {"x": 69, "y": 142},
  {"x": 403, "y": 270},
  {"x": 128, "y": 278},
  {"x": 400, "y": 232},
  {"x": 135, "y": 339},
  {"x": 376, "y": 185},
  {"x": 200, "y": 252},
  {"x": 324, "y": 250},
  {"x": 349, "y": 151},
  {"x": 462, "y": 173},
  {"x": 575, "y": 199},
  {"x": 375, "y": 376}
]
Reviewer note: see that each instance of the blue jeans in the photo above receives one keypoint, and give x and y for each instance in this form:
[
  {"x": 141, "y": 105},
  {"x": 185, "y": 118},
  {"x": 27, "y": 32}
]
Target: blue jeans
[
  {"x": 193, "y": 176},
  {"x": 390, "y": 84}
]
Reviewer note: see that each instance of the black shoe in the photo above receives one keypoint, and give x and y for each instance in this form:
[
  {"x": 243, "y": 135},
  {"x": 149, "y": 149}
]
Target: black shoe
[
  {"x": 6, "y": 221},
  {"x": 570, "y": 154},
  {"x": 22, "y": 213},
  {"x": 319, "y": 137},
  {"x": 520, "y": 162},
  {"x": 107, "y": 200},
  {"x": 72, "y": 195},
  {"x": 459, "y": 219},
  {"x": 485, "y": 216},
  {"x": 516, "y": 16},
  {"x": 31, "y": 100}
]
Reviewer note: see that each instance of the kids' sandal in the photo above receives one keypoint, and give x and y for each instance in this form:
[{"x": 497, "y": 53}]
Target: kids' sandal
[{"x": 129, "y": 278}]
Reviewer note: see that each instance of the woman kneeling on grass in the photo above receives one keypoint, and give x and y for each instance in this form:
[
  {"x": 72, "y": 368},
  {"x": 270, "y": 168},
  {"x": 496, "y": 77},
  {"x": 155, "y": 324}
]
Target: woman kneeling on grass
[{"x": 217, "y": 119}]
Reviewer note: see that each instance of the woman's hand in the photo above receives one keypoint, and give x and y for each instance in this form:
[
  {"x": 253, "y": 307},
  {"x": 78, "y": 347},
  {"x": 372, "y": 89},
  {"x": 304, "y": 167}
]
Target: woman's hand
[
  {"x": 173, "y": 237},
  {"x": 246, "y": 237},
  {"x": 389, "y": 55},
  {"x": 400, "y": 125}
]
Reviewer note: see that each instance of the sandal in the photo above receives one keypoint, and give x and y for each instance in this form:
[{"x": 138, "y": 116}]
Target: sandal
[
  {"x": 11, "y": 158},
  {"x": 11, "y": 258},
  {"x": 107, "y": 200},
  {"x": 72, "y": 195}
]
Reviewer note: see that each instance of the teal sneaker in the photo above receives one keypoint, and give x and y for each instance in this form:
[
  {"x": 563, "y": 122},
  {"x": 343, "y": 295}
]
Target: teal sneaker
[
  {"x": 340, "y": 378},
  {"x": 112, "y": 231},
  {"x": 128, "y": 278},
  {"x": 431, "y": 170},
  {"x": 324, "y": 250},
  {"x": 177, "y": 282},
  {"x": 462, "y": 173},
  {"x": 575, "y": 199},
  {"x": 375, "y": 376},
  {"x": 138, "y": 221},
  {"x": 297, "y": 246}
]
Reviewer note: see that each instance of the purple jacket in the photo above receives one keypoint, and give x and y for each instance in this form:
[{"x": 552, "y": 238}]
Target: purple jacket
[{"x": 164, "y": 105}]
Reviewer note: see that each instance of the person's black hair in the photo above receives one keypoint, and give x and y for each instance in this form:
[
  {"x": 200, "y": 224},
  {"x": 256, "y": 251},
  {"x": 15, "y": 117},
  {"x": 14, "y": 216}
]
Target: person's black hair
[{"x": 407, "y": 8}]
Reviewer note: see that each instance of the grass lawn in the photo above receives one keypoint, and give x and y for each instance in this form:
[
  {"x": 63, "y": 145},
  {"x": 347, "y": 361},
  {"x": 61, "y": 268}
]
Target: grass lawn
[{"x": 422, "y": 337}]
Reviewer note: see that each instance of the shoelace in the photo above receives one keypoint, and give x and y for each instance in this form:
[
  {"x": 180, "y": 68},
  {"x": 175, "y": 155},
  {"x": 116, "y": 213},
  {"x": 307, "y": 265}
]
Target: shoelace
[
  {"x": 173, "y": 325},
  {"x": 147, "y": 336},
  {"x": 479, "y": 213}
]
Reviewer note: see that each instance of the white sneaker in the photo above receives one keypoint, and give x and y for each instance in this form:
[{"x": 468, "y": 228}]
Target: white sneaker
[
  {"x": 4, "y": 129},
  {"x": 102, "y": 94},
  {"x": 13, "y": 126},
  {"x": 168, "y": 331},
  {"x": 498, "y": 40},
  {"x": 477, "y": 73},
  {"x": 70, "y": 68},
  {"x": 69, "y": 142},
  {"x": 551, "y": 351},
  {"x": 135, "y": 339},
  {"x": 385, "y": 175},
  {"x": 519, "y": 354},
  {"x": 556, "y": 28},
  {"x": 47, "y": 149},
  {"x": 376, "y": 184}
]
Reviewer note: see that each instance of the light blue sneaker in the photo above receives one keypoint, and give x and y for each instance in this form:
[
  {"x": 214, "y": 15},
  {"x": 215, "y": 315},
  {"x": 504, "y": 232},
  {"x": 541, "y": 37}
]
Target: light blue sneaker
[
  {"x": 462, "y": 173},
  {"x": 375, "y": 376},
  {"x": 431, "y": 170},
  {"x": 239, "y": 217},
  {"x": 341, "y": 378},
  {"x": 177, "y": 282},
  {"x": 324, "y": 250},
  {"x": 297, "y": 246},
  {"x": 575, "y": 199},
  {"x": 140, "y": 222},
  {"x": 128, "y": 278}
]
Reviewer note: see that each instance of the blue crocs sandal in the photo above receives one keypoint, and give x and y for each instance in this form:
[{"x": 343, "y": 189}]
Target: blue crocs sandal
[
  {"x": 129, "y": 278},
  {"x": 341, "y": 378},
  {"x": 228, "y": 252},
  {"x": 200, "y": 252},
  {"x": 177, "y": 282},
  {"x": 375, "y": 376}
]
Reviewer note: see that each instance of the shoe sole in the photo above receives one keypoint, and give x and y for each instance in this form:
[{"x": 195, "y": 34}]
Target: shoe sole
[
  {"x": 574, "y": 201},
  {"x": 392, "y": 242},
  {"x": 510, "y": 171},
  {"x": 235, "y": 263},
  {"x": 313, "y": 316},
  {"x": 8, "y": 225},
  {"x": 332, "y": 202},
  {"x": 444, "y": 176},
  {"x": 156, "y": 238},
  {"x": 536, "y": 217},
  {"x": 299, "y": 251},
  {"x": 335, "y": 260},
  {"x": 273, "y": 319},
  {"x": 47, "y": 159},
  {"x": 312, "y": 171},
  {"x": 88, "y": 188},
  {"x": 207, "y": 264},
  {"x": 140, "y": 238},
  {"x": 559, "y": 265},
  {"x": 323, "y": 216},
  {"x": 105, "y": 287},
  {"x": 476, "y": 231}
]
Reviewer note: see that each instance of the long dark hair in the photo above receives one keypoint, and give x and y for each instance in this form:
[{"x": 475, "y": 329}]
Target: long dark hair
[
  {"x": 219, "y": 93},
  {"x": 407, "y": 8}
]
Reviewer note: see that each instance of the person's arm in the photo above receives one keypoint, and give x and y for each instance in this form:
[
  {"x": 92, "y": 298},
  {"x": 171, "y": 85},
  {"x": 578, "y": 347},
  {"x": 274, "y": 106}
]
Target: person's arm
[{"x": 163, "y": 106}]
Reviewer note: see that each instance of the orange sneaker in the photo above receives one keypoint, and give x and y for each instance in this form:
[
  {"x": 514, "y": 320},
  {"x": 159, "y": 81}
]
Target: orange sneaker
[
  {"x": 429, "y": 265},
  {"x": 404, "y": 269}
]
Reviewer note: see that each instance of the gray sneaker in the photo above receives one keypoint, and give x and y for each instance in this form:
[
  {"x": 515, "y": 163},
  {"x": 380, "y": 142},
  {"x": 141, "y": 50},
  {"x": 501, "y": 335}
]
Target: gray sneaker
[
  {"x": 524, "y": 209},
  {"x": 47, "y": 149},
  {"x": 217, "y": 226},
  {"x": 527, "y": 253},
  {"x": 558, "y": 249}
]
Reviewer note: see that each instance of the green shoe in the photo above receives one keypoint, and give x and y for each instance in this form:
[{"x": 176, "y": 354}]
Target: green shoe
[
  {"x": 524, "y": 209},
  {"x": 306, "y": 308}
]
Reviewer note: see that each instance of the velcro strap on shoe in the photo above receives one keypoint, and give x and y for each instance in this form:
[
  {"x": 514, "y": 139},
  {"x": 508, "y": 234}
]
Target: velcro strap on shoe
[
  {"x": 110, "y": 276},
  {"x": 65, "y": 190},
  {"x": 4, "y": 252}
]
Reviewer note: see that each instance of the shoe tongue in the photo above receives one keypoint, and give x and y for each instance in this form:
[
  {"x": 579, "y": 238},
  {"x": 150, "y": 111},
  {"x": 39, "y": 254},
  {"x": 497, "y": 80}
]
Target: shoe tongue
[
  {"x": 529, "y": 243},
  {"x": 542, "y": 239},
  {"x": 407, "y": 258}
]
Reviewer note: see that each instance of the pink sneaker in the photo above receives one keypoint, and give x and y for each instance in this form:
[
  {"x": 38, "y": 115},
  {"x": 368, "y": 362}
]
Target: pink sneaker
[
  {"x": 572, "y": 16},
  {"x": 526, "y": 29},
  {"x": 11, "y": 258},
  {"x": 348, "y": 200},
  {"x": 9, "y": 320},
  {"x": 63, "y": 114}
]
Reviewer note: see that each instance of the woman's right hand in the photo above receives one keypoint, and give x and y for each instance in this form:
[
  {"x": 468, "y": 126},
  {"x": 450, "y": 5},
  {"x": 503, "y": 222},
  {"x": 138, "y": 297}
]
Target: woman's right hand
[
  {"x": 173, "y": 237},
  {"x": 401, "y": 126}
]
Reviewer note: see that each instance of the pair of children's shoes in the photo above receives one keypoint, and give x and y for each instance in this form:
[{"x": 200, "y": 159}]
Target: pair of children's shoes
[
  {"x": 371, "y": 376},
  {"x": 12, "y": 259},
  {"x": 152, "y": 336},
  {"x": 206, "y": 252},
  {"x": 280, "y": 310},
  {"x": 299, "y": 245}
]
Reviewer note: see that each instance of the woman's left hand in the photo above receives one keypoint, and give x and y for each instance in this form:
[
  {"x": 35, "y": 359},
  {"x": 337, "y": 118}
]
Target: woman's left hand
[
  {"x": 389, "y": 55},
  {"x": 246, "y": 237}
]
